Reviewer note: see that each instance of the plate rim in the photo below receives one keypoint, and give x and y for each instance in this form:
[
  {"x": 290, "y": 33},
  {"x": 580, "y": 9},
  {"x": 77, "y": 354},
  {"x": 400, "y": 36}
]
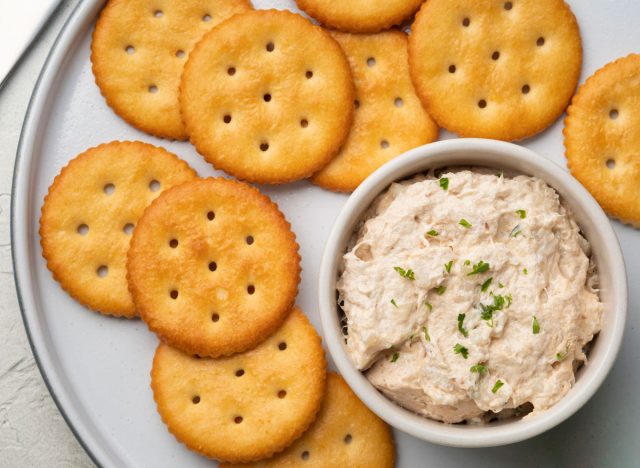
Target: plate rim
[{"x": 78, "y": 21}]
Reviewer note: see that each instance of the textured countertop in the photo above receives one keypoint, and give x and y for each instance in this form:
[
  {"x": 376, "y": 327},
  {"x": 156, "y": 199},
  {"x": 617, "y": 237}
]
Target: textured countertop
[{"x": 32, "y": 432}]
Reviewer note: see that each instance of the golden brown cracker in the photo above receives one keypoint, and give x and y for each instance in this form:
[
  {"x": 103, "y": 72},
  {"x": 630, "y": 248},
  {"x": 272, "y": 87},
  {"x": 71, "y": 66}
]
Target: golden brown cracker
[
  {"x": 213, "y": 267},
  {"x": 89, "y": 214},
  {"x": 360, "y": 16},
  {"x": 389, "y": 118},
  {"x": 267, "y": 97},
  {"x": 139, "y": 49},
  {"x": 247, "y": 406},
  {"x": 345, "y": 434},
  {"x": 494, "y": 68},
  {"x": 602, "y": 137}
]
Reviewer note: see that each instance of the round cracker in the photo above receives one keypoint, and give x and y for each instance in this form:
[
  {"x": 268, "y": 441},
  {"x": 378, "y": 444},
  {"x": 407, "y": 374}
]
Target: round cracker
[
  {"x": 360, "y": 16},
  {"x": 138, "y": 51},
  {"x": 602, "y": 137},
  {"x": 389, "y": 118},
  {"x": 213, "y": 267},
  {"x": 345, "y": 434},
  {"x": 247, "y": 406},
  {"x": 495, "y": 69},
  {"x": 89, "y": 213},
  {"x": 267, "y": 96}
]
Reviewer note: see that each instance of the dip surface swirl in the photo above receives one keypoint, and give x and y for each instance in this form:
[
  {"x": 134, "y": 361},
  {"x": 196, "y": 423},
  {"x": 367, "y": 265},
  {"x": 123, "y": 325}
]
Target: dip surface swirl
[{"x": 468, "y": 294}]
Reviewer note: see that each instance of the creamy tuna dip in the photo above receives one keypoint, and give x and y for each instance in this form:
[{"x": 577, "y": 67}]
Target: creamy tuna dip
[{"x": 468, "y": 295}]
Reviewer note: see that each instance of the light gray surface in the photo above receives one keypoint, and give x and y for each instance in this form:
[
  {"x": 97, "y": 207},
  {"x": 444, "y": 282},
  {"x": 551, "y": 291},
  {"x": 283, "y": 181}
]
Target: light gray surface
[
  {"x": 32, "y": 432},
  {"x": 604, "y": 433}
]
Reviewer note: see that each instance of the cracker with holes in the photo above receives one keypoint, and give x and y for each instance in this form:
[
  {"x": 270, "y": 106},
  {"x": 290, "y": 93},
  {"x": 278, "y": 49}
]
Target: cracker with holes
[
  {"x": 247, "y": 406},
  {"x": 138, "y": 52},
  {"x": 360, "y": 16},
  {"x": 213, "y": 267},
  {"x": 267, "y": 97},
  {"x": 495, "y": 68},
  {"x": 389, "y": 118},
  {"x": 89, "y": 214},
  {"x": 345, "y": 434},
  {"x": 602, "y": 137}
]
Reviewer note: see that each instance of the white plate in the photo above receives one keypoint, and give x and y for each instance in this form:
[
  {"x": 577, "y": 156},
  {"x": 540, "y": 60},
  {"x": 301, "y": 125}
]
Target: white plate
[{"x": 97, "y": 368}]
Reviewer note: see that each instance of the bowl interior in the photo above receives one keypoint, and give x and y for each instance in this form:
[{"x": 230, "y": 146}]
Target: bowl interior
[{"x": 595, "y": 227}]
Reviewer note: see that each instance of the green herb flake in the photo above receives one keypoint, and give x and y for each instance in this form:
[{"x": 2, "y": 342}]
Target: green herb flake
[
  {"x": 499, "y": 303},
  {"x": 465, "y": 223},
  {"x": 487, "y": 314},
  {"x": 428, "y": 304},
  {"x": 500, "y": 285},
  {"x": 405, "y": 273},
  {"x": 432, "y": 233},
  {"x": 535, "y": 325},
  {"x": 440, "y": 290},
  {"x": 480, "y": 267},
  {"x": 479, "y": 368},
  {"x": 467, "y": 262},
  {"x": 521, "y": 213},
  {"x": 516, "y": 231},
  {"x": 509, "y": 300},
  {"x": 426, "y": 333},
  {"x": 459, "y": 349},
  {"x": 525, "y": 271},
  {"x": 448, "y": 265},
  {"x": 499, "y": 383},
  {"x": 461, "y": 325},
  {"x": 561, "y": 355},
  {"x": 395, "y": 356},
  {"x": 393, "y": 302},
  {"x": 444, "y": 183},
  {"x": 486, "y": 284}
]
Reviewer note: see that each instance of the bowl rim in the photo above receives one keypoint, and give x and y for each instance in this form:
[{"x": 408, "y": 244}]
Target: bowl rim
[{"x": 517, "y": 158}]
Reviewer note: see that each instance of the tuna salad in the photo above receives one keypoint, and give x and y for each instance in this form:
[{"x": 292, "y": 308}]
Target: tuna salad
[{"x": 469, "y": 296}]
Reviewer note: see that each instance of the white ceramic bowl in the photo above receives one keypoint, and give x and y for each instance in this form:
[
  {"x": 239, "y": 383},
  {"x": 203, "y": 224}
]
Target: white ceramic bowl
[{"x": 595, "y": 226}]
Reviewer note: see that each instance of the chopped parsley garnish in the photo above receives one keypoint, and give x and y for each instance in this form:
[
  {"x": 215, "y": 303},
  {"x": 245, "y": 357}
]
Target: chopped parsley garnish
[
  {"x": 480, "y": 267},
  {"x": 393, "y": 302},
  {"x": 516, "y": 231},
  {"x": 465, "y": 223},
  {"x": 499, "y": 303},
  {"x": 440, "y": 290},
  {"x": 426, "y": 334},
  {"x": 461, "y": 326},
  {"x": 448, "y": 265},
  {"x": 535, "y": 325},
  {"x": 428, "y": 304},
  {"x": 467, "y": 262},
  {"x": 561, "y": 355},
  {"x": 521, "y": 213},
  {"x": 486, "y": 284},
  {"x": 479, "y": 368},
  {"x": 525, "y": 271},
  {"x": 432, "y": 233},
  {"x": 444, "y": 183},
  {"x": 500, "y": 285},
  {"x": 459, "y": 349},
  {"x": 497, "y": 386},
  {"x": 395, "y": 356},
  {"x": 405, "y": 273}
]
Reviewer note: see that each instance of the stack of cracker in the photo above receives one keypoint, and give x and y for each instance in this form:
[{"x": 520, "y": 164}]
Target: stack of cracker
[
  {"x": 212, "y": 267},
  {"x": 265, "y": 95}
]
